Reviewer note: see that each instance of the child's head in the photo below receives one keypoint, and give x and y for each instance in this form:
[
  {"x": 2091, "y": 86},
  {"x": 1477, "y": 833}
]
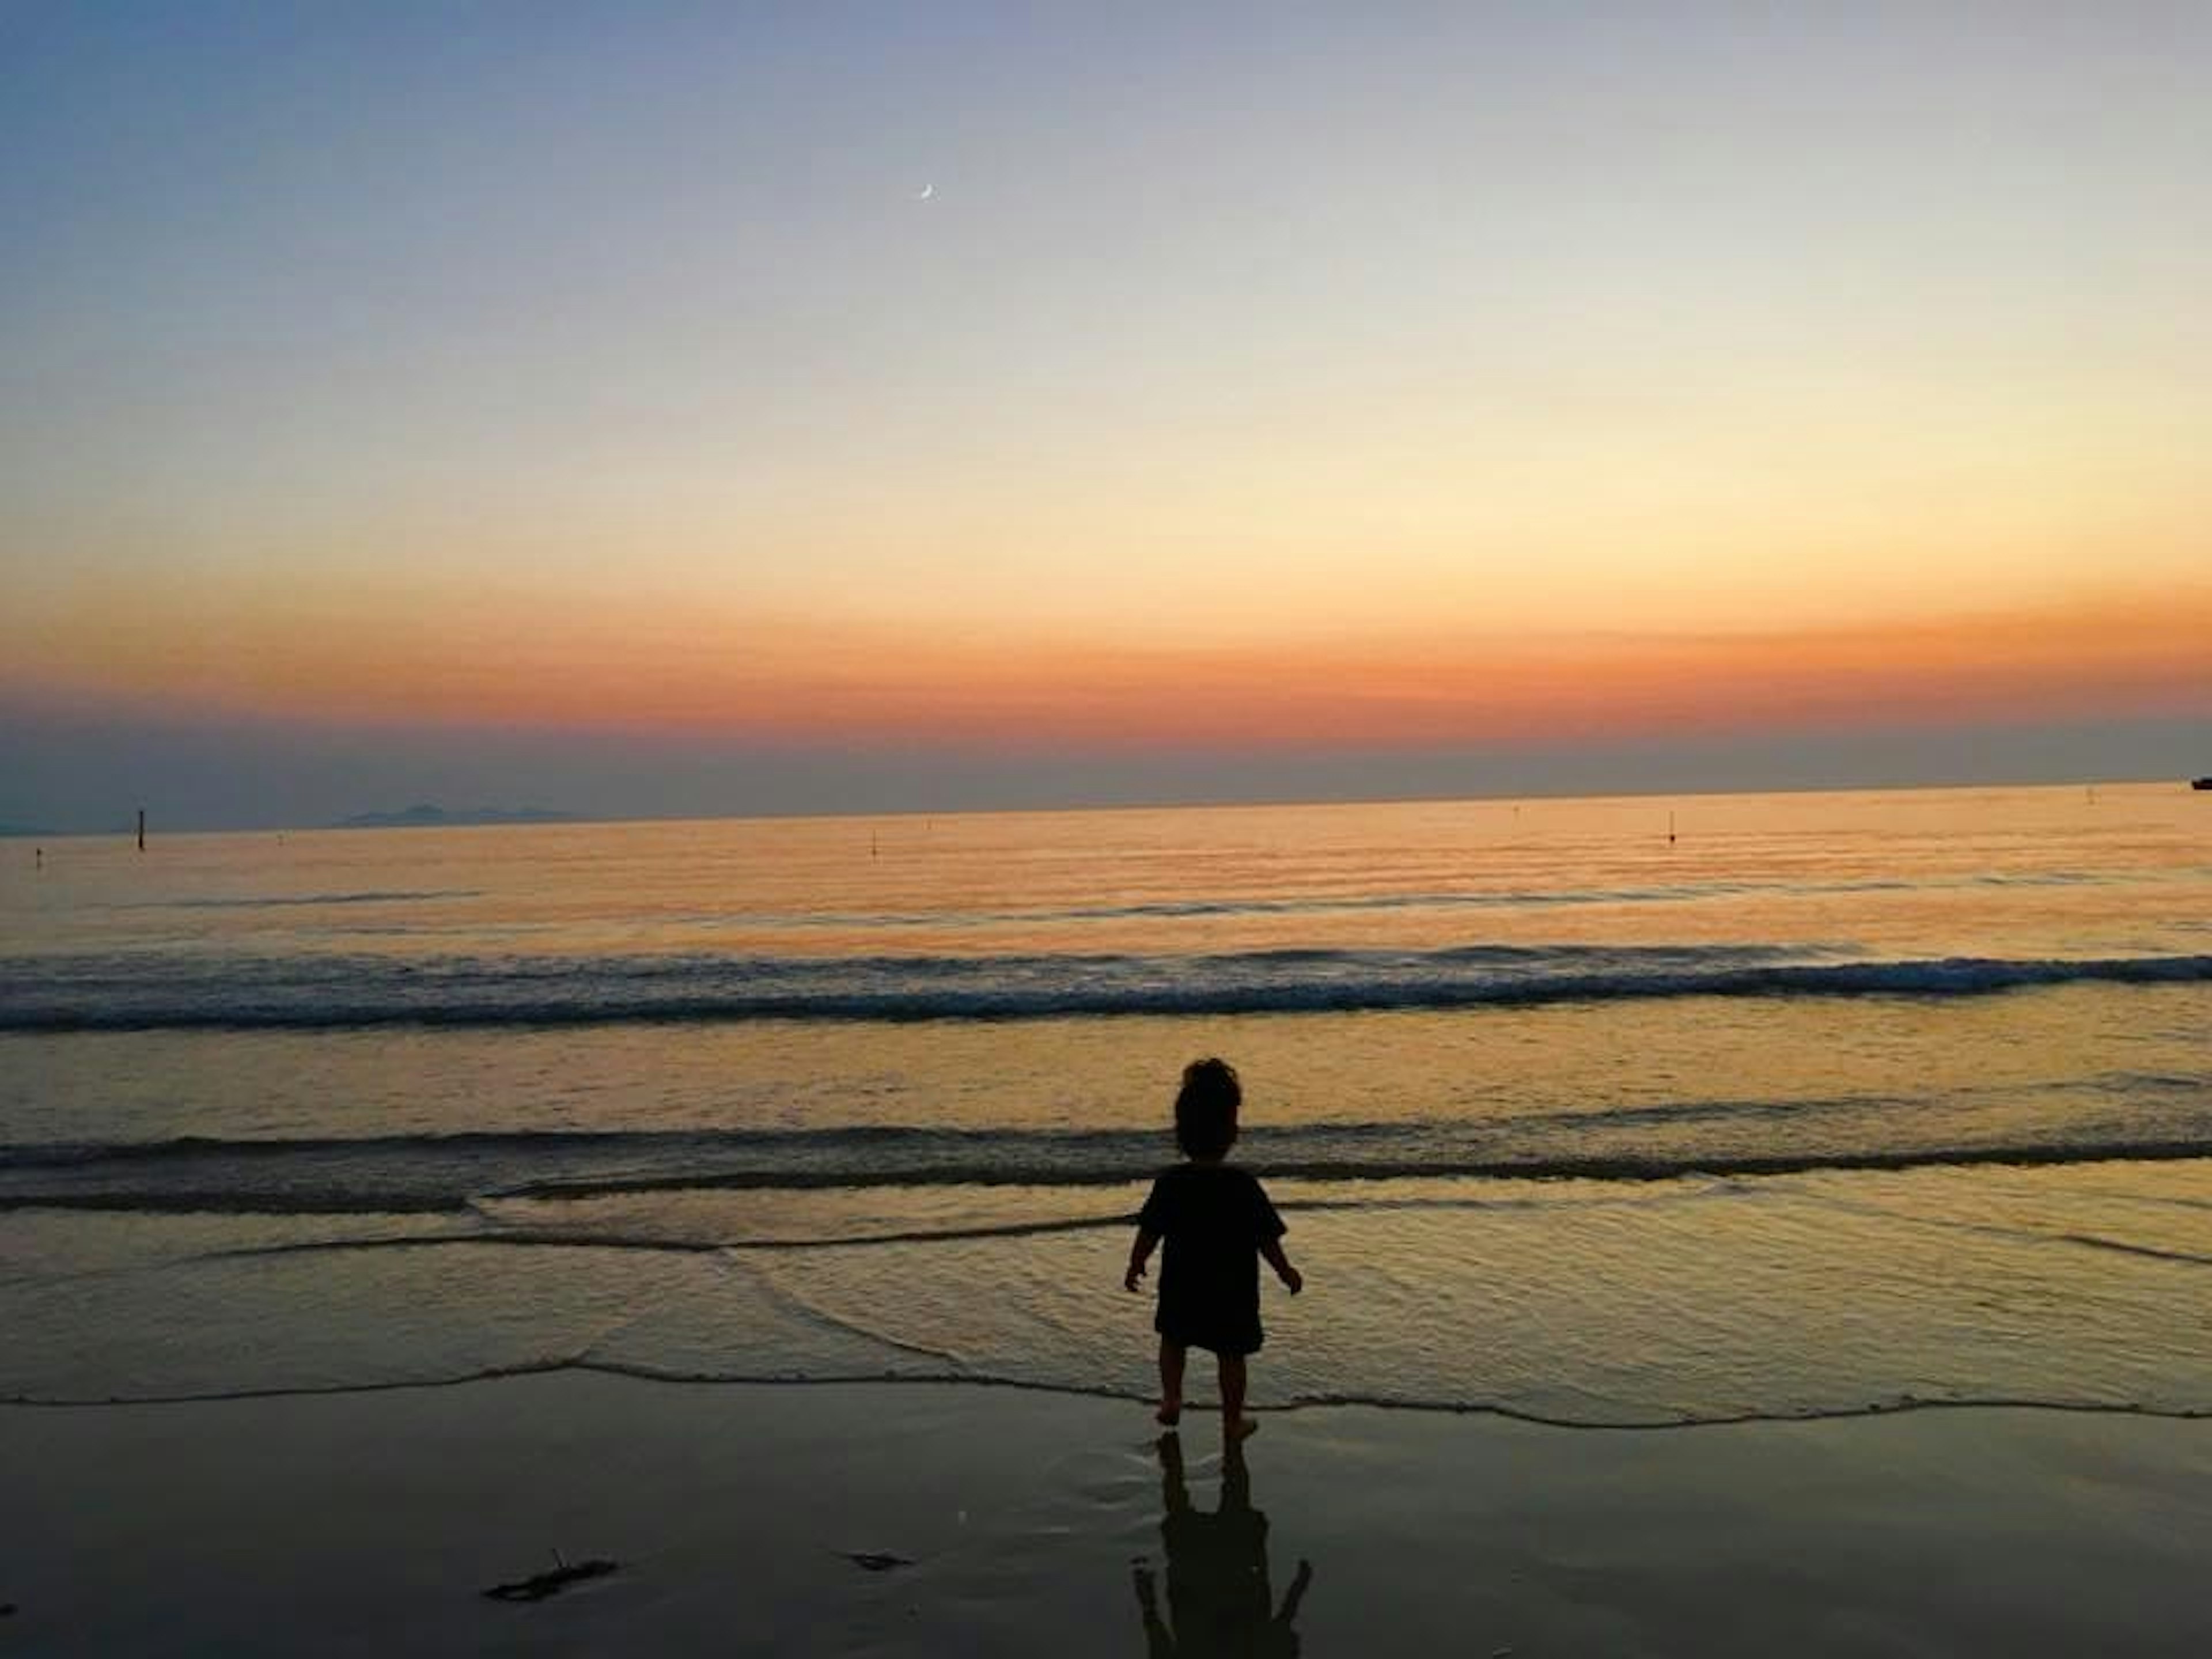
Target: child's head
[{"x": 1205, "y": 1110}]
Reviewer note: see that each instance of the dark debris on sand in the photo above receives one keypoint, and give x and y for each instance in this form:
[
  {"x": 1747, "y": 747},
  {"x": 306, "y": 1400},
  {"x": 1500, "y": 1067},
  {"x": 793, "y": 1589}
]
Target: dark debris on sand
[
  {"x": 539, "y": 1585},
  {"x": 876, "y": 1560}
]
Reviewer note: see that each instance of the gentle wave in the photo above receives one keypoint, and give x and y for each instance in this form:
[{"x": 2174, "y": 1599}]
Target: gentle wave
[
  {"x": 1527, "y": 1168},
  {"x": 505, "y": 1235},
  {"x": 68, "y": 1154},
  {"x": 286, "y": 900},
  {"x": 1183, "y": 909},
  {"x": 1244, "y": 903},
  {"x": 1409, "y": 1146},
  {"x": 1324, "y": 903},
  {"x": 320, "y": 992},
  {"x": 432, "y": 1174}
]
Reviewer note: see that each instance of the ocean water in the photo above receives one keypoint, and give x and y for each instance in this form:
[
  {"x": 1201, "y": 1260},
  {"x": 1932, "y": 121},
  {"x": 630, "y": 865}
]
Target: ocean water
[{"x": 1831, "y": 1104}]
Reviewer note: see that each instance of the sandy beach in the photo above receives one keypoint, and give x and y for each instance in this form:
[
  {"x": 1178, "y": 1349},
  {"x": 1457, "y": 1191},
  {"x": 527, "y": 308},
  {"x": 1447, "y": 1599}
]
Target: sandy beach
[{"x": 370, "y": 1523}]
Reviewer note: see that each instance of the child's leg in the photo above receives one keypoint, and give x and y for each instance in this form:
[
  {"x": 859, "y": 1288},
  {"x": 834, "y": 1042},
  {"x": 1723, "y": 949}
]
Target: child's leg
[
  {"x": 1235, "y": 1425},
  {"x": 1171, "y": 1358}
]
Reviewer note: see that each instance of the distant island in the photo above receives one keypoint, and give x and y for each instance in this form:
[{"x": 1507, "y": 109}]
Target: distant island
[{"x": 425, "y": 816}]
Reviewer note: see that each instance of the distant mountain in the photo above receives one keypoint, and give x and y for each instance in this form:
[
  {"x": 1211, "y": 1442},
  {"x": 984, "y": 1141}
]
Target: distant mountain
[{"x": 425, "y": 816}]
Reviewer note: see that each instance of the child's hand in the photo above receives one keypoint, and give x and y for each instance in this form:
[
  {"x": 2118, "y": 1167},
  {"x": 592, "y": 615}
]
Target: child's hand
[
  {"x": 1293, "y": 1280},
  {"x": 1134, "y": 1278}
]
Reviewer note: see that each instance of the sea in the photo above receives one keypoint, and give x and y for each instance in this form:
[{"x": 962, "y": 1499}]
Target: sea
[{"x": 1635, "y": 1111}]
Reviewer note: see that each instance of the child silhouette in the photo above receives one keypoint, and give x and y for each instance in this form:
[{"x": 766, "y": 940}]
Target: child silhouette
[{"x": 1218, "y": 1224}]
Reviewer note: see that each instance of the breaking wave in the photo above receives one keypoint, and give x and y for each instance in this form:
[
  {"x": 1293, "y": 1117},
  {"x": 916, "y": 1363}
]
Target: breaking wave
[{"x": 50, "y": 994}]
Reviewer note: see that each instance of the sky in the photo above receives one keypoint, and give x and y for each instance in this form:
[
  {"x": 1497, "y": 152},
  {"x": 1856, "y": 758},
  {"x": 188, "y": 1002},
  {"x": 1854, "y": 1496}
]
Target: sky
[{"x": 666, "y": 409}]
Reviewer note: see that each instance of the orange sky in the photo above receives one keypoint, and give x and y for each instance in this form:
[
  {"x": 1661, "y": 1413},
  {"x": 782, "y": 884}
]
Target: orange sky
[{"x": 814, "y": 681}]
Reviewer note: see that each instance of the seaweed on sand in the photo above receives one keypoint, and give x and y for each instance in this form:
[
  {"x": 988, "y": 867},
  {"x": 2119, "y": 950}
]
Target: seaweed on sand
[{"x": 558, "y": 1577}]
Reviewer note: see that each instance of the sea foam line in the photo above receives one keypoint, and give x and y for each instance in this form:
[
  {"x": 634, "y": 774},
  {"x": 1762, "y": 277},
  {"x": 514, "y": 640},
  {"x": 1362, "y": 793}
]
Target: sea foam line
[{"x": 1896, "y": 1405}]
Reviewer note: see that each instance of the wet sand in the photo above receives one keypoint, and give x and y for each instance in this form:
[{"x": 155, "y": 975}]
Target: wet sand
[{"x": 1026, "y": 1521}]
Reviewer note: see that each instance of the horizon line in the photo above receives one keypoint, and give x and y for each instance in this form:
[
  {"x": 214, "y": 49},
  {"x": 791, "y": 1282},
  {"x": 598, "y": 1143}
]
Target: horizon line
[{"x": 562, "y": 819}]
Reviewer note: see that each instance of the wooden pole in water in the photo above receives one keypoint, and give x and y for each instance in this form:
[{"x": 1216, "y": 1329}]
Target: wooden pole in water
[
  {"x": 142, "y": 829},
  {"x": 1670, "y": 828}
]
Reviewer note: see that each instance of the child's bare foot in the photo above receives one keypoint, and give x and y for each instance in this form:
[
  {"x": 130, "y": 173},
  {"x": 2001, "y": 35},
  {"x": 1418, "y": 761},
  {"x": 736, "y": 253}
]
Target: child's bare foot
[
  {"x": 1170, "y": 1413},
  {"x": 1234, "y": 1429}
]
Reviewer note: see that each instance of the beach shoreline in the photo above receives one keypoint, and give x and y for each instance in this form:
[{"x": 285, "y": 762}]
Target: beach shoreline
[{"x": 372, "y": 1522}]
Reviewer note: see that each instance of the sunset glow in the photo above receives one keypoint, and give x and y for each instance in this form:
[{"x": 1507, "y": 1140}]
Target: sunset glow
[
  {"x": 804, "y": 680},
  {"x": 1564, "y": 377}
]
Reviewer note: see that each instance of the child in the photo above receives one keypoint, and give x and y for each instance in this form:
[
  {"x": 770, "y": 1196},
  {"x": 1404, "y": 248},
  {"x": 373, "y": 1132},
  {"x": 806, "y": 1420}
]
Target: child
[{"x": 1218, "y": 1224}]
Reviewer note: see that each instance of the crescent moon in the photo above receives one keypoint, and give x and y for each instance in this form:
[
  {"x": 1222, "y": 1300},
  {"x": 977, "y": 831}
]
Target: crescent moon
[{"x": 925, "y": 193}]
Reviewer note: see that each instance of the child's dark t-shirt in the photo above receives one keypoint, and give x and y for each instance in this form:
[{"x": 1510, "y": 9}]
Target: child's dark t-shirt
[{"x": 1213, "y": 1219}]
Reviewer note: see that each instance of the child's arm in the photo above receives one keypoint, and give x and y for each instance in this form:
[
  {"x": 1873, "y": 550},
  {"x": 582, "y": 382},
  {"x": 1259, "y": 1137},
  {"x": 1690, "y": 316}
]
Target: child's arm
[
  {"x": 1293, "y": 1280},
  {"x": 1139, "y": 1253}
]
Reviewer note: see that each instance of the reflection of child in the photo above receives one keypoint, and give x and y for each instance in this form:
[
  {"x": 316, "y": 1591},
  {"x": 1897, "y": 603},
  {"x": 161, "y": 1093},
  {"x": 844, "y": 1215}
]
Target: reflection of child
[
  {"x": 1218, "y": 1224},
  {"x": 1219, "y": 1595}
]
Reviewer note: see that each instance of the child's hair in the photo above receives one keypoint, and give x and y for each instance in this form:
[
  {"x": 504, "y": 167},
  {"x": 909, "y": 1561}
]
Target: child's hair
[{"x": 1206, "y": 1109}]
